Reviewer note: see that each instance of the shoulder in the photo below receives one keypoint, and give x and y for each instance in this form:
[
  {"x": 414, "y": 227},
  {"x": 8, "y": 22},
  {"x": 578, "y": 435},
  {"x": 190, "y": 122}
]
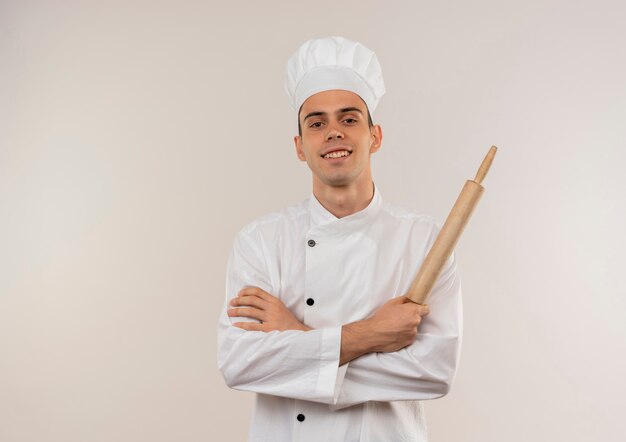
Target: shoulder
[
  {"x": 275, "y": 223},
  {"x": 408, "y": 224},
  {"x": 404, "y": 215},
  {"x": 416, "y": 230}
]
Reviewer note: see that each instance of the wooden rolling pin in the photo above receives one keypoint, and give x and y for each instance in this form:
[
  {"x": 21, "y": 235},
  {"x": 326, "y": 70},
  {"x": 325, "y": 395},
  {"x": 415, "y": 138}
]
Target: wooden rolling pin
[{"x": 450, "y": 233}]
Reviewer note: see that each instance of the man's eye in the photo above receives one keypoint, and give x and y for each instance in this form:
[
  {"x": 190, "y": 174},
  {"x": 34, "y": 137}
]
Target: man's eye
[
  {"x": 316, "y": 125},
  {"x": 350, "y": 120}
]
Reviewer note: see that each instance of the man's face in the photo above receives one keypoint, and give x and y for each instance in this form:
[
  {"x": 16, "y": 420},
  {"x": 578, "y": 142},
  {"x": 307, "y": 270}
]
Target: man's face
[{"x": 336, "y": 140}]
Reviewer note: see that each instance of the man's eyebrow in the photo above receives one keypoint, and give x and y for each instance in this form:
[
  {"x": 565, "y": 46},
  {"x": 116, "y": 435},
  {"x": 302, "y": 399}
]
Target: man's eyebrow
[
  {"x": 314, "y": 114},
  {"x": 345, "y": 110}
]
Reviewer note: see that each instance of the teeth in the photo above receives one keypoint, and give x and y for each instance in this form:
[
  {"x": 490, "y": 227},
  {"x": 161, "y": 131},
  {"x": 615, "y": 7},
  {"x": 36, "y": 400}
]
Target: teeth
[{"x": 338, "y": 154}]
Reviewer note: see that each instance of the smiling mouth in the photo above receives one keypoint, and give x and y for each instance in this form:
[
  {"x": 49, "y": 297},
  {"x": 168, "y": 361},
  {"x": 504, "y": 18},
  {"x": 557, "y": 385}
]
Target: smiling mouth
[{"x": 337, "y": 154}]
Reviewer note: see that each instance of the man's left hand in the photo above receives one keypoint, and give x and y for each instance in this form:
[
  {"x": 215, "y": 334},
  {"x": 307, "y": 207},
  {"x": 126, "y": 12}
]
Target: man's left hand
[{"x": 252, "y": 302}]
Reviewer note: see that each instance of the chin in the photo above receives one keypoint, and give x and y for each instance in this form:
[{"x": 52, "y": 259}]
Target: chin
[{"x": 338, "y": 182}]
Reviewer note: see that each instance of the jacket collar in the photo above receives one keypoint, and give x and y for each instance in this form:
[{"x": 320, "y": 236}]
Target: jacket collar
[{"x": 322, "y": 217}]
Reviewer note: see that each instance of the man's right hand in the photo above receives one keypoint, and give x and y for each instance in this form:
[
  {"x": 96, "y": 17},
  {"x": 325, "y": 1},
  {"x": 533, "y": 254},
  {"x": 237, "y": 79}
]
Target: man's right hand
[{"x": 392, "y": 327}]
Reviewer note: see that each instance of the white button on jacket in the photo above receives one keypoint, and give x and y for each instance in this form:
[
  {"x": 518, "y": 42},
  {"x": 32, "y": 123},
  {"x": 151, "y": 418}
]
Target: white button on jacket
[{"x": 346, "y": 268}]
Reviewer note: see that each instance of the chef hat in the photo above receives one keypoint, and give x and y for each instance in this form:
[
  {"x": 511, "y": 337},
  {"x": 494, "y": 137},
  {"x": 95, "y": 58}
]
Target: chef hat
[{"x": 334, "y": 63}]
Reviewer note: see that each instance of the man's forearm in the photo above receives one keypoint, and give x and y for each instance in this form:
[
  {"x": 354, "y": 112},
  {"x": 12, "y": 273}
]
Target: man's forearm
[
  {"x": 355, "y": 341},
  {"x": 392, "y": 327}
]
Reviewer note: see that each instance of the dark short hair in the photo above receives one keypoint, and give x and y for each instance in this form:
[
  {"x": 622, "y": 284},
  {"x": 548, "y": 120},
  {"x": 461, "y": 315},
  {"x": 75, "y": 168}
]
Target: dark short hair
[{"x": 370, "y": 123}]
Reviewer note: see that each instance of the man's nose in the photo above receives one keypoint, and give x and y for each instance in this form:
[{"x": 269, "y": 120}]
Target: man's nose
[{"x": 334, "y": 133}]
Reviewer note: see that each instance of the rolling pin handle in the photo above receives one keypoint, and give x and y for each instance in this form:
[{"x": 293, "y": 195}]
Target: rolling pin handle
[{"x": 485, "y": 165}]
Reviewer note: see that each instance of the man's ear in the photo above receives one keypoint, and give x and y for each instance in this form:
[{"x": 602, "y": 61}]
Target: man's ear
[
  {"x": 297, "y": 140},
  {"x": 377, "y": 138}
]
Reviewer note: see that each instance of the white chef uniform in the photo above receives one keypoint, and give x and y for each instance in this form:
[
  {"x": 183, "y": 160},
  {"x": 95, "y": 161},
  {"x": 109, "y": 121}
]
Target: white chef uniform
[{"x": 329, "y": 272}]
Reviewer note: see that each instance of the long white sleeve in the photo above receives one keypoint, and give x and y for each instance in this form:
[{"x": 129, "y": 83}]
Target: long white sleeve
[
  {"x": 423, "y": 370},
  {"x": 294, "y": 364}
]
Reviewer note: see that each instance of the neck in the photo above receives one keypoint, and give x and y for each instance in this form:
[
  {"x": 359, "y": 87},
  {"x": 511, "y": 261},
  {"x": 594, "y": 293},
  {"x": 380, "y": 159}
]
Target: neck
[{"x": 344, "y": 201}]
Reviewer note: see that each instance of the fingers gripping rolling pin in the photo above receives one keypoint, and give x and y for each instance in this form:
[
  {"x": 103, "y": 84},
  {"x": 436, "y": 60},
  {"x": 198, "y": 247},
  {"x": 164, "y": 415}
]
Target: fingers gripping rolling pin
[{"x": 450, "y": 233}]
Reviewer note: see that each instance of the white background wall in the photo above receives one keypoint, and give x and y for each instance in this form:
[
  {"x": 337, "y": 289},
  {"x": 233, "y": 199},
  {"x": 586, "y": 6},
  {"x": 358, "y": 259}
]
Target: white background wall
[{"x": 137, "y": 137}]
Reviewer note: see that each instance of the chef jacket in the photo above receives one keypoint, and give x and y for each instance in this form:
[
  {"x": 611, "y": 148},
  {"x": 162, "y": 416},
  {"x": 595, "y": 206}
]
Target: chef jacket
[{"x": 328, "y": 272}]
